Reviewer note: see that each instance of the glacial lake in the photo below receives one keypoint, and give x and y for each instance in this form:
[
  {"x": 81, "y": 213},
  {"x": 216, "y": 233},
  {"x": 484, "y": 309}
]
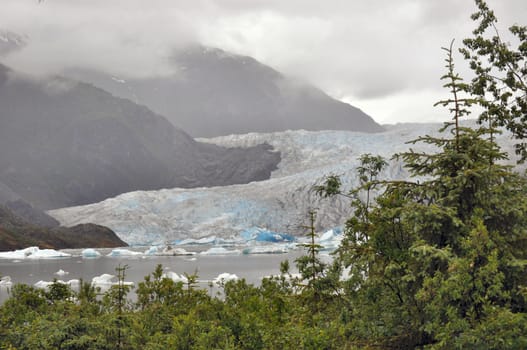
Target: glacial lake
[{"x": 252, "y": 267}]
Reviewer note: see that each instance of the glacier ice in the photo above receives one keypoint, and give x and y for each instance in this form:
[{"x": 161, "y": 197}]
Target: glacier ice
[{"x": 265, "y": 209}]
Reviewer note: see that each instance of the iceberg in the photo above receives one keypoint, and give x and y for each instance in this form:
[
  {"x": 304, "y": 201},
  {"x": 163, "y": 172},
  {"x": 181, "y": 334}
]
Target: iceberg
[
  {"x": 90, "y": 253},
  {"x": 33, "y": 253},
  {"x": 331, "y": 239},
  {"x": 167, "y": 251},
  {"x": 221, "y": 251},
  {"x": 45, "y": 284},
  {"x": 266, "y": 249},
  {"x": 61, "y": 272},
  {"x": 5, "y": 282},
  {"x": 103, "y": 280},
  {"x": 123, "y": 252},
  {"x": 222, "y": 278},
  {"x": 175, "y": 277},
  {"x": 106, "y": 281}
]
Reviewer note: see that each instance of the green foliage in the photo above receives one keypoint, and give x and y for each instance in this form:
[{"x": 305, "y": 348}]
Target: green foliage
[
  {"x": 439, "y": 263},
  {"x": 500, "y": 74}
]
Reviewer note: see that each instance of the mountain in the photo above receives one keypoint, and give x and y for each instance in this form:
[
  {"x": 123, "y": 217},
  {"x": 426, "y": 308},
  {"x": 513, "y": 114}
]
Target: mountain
[
  {"x": 214, "y": 93},
  {"x": 24, "y": 210},
  {"x": 68, "y": 143},
  {"x": 16, "y": 233},
  {"x": 279, "y": 204}
]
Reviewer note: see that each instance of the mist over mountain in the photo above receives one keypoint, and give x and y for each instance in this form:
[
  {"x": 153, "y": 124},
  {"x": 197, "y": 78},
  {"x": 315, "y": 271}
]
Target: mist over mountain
[
  {"x": 214, "y": 93},
  {"x": 68, "y": 143},
  {"x": 10, "y": 42}
]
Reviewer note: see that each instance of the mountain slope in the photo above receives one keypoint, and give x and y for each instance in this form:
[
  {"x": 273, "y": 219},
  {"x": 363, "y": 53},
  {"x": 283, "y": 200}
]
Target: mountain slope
[
  {"x": 67, "y": 143},
  {"x": 215, "y": 93},
  {"x": 16, "y": 233}
]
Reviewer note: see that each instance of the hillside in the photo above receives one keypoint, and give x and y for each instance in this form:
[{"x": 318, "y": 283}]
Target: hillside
[
  {"x": 67, "y": 143},
  {"x": 16, "y": 233}
]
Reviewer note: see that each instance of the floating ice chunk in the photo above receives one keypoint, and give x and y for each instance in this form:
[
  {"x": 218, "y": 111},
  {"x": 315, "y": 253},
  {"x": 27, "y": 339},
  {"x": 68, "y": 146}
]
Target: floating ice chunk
[
  {"x": 5, "y": 282},
  {"x": 90, "y": 253},
  {"x": 175, "y": 277},
  {"x": 331, "y": 239},
  {"x": 266, "y": 249},
  {"x": 33, "y": 253},
  {"x": 221, "y": 251},
  {"x": 123, "y": 252},
  {"x": 225, "y": 277},
  {"x": 167, "y": 251},
  {"x": 48, "y": 254},
  {"x": 105, "y": 281},
  {"x": 18, "y": 254},
  {"x": 61, "y": 272},
  {"x": 74, "y": 283},
  {"x": 43, "y": 284}
]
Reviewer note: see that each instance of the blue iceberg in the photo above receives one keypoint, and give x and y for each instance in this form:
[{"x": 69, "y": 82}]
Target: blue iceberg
[{"x": 262, "y": 235}]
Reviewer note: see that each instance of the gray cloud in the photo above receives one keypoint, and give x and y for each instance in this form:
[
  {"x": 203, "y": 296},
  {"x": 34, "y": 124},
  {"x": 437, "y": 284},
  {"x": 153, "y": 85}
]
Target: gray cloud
[{"x": 362, "y": 51}]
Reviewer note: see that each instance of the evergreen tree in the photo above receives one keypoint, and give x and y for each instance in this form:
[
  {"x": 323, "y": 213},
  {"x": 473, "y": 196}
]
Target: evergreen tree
[{"x": 500, "y": 69}]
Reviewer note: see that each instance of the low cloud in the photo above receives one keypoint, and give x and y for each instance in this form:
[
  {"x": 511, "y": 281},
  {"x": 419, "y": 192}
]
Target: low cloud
[{"x": 362, "y": 50}]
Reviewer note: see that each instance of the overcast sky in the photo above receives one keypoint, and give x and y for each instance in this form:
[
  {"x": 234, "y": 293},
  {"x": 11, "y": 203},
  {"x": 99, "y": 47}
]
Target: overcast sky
[{"x": 383, "y": 56}]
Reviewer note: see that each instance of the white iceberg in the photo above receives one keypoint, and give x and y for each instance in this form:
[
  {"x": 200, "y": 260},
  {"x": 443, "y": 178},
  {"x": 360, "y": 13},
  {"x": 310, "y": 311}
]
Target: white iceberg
[
  {"x": 74, "y": 283},
  {"x": 90, "y": 253},
  {"x": 331, "y": 239},
  {"x": 167, "y": 251},
  {"x": 175, "y": 277},
  {"x": 61, "y": 272},
  {"x": 123, "y": 252},
  {"x": 225, "y": 277},
  {"x": 267, "y": 249},
  {"x": 105, "y": 281},
  {"x": 221, "y": 251},
  {"x": 33, "y": 253},
  {"x": 48, "y": 254},
  {"x": 5, "y": 282}
]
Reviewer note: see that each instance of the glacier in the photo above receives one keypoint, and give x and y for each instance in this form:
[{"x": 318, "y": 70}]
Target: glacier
[{"x": 271, "y": 210}]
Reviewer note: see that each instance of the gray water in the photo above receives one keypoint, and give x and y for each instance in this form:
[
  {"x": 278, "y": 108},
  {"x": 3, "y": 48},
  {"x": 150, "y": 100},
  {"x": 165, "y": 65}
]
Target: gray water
[{"x": 251, "y": 267}]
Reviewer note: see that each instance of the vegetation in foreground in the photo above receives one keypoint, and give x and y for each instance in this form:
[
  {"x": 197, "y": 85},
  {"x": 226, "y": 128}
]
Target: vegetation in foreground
[{"x": 438, "y": 263}]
